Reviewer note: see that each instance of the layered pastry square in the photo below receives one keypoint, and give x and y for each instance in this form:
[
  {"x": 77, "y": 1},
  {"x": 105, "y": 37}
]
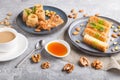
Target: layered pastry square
[{"x": 97, "y": 31}]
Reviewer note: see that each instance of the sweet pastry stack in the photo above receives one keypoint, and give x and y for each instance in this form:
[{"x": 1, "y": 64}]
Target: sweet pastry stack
[
  {"x": 35, "y": 18},
  {"x": 96, "y": 33}
]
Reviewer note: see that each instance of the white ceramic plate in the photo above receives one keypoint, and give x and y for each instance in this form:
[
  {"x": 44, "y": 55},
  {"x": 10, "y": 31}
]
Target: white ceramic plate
[{"x": 22, "y": 46}]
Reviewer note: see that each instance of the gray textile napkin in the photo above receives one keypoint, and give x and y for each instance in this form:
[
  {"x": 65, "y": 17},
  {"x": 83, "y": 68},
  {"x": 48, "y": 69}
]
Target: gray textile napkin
[{"x": 114, "y": 63}]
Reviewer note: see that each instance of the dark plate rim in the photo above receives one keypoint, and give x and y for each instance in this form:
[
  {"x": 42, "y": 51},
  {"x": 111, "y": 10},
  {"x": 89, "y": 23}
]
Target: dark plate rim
[
  {"x": 95, "y": 53},
  {"x": 38, "y": 33}
]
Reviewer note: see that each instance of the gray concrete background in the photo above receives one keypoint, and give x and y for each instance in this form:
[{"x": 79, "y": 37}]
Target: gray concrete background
[{"x": 29, "y": 71}]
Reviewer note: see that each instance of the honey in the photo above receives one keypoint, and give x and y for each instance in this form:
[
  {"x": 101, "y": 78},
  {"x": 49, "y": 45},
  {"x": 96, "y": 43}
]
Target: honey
[{"x": 57, "y": 49}]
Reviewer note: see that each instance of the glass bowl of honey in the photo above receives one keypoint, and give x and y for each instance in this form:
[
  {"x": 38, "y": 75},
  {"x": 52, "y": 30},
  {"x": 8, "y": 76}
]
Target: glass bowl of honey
[{"x": 58, "y": 48}]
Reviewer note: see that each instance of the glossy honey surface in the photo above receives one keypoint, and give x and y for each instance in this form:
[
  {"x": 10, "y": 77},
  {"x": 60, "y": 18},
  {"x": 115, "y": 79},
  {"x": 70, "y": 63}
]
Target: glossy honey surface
[{"x": 57, "y": 49}]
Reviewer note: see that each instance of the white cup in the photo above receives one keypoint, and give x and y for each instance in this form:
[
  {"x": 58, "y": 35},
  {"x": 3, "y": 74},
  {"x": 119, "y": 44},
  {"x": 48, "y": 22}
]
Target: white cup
[{"x": 11, "y": 45}]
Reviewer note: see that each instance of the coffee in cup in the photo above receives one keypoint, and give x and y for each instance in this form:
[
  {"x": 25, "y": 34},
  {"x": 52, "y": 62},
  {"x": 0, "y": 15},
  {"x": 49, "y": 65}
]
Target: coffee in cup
[
  {"x": 6, "y": 36},
  {"x": 8, "y": 39}
]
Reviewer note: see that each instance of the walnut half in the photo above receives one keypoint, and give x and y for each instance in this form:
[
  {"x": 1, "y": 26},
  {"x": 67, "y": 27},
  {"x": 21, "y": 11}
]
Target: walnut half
[
  {"x": 97, "y": 64},
  {"x": 84, "y": 61},
  {"x": 45, "y": 65},
  {"x": 36, "y": 58},
  {"x": 68, "y": 68}
]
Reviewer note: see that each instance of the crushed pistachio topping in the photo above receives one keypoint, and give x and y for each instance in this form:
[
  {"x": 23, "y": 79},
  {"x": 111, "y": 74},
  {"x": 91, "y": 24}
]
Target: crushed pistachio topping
[
  {"x": 28, "y": 11},
  {"x": 98, "y": 27},
  {"x": 101, "y": 22},
  {"x": 97, "y": 35},
  {"x": 34, "y": 9}
]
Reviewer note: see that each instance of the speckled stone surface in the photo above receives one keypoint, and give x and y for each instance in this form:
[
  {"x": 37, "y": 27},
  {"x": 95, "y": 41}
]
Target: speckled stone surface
[{"x": 29, "y": 71}]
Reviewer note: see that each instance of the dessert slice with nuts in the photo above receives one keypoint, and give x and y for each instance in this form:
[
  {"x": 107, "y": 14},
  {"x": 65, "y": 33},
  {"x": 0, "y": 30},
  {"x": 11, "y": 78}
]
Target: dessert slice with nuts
[{"x": 68, "y": 68}]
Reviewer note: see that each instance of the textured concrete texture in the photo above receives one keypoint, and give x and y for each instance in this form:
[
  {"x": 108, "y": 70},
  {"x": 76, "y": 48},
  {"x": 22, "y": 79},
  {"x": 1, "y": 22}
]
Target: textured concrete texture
[{"x": 29, "y": 71}]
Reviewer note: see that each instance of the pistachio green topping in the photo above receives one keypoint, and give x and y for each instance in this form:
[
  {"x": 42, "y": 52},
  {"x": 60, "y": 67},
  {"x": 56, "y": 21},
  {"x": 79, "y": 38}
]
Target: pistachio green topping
[
  {"x": 101, "y": 22},
  {"x": 33, "y": 9},
  {"x": 97, "y": 26},
  {"x": 28, "y": 11},
  {"x": 97, "y": 35},
  {"x": 95, "y": 43}
]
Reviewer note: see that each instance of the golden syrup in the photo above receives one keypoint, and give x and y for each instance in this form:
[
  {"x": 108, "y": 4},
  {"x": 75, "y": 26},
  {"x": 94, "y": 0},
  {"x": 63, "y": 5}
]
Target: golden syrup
[{"x": 57, "y": 49}]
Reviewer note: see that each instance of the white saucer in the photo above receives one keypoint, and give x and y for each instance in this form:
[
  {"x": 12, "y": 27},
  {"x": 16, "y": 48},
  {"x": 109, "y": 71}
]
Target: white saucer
[{"x": 22, "y": 46}]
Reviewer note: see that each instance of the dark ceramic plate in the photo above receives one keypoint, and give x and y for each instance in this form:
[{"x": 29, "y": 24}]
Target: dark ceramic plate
[
  {"x": 88, "y": 49},
  {"x": 23, "y": 26}
]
